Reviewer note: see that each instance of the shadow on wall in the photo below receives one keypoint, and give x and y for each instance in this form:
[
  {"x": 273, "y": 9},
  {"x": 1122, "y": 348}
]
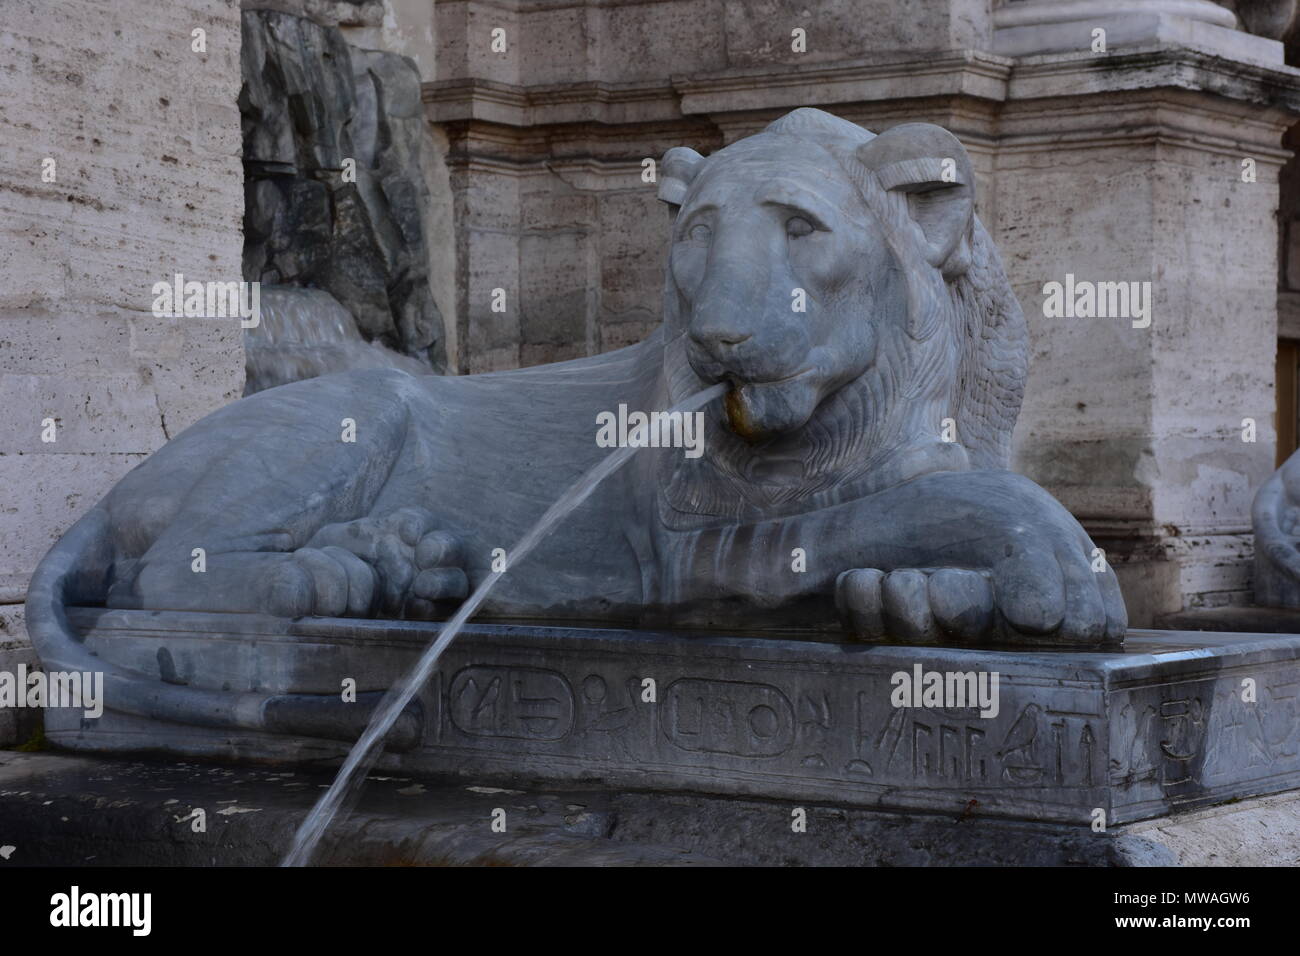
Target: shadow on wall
[{"x": 334, "y": 201}]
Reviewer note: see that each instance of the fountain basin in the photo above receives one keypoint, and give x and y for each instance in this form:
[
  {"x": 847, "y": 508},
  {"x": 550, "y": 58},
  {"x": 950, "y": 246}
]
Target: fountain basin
[{"x": 1166, "y": 724}]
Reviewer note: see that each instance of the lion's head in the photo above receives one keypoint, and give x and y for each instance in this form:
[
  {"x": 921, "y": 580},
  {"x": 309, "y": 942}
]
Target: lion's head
[{"x": 843, "y": 286}]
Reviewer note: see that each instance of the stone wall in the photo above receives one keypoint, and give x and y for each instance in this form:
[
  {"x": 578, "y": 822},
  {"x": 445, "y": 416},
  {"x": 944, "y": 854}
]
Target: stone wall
[
  {"x": 119, "y": 167},
  {"x": 1139, "y": 431}
]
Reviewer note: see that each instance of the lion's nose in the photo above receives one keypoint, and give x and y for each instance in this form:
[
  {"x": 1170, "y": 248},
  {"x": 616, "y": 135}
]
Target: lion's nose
[
  {"x": 732, "y": 339},
  {"x": 730, "y": 299},
  {"x": 713, "y": 325},
  {"x": 718, "y": 344}
]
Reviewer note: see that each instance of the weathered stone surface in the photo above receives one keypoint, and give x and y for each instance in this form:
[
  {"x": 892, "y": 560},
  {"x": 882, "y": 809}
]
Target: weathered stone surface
[
  {"x": 104, "y": 811},
  {"x": 1235, "y": 617},
  {"x": 328, "y": 13},
  {"x": 1261, "y": 832},
  {"x": 316, "y": 111},
  {"x": 80, "y": 810},
  {"x": 1112, "y": 425},
  {"x": 143, "y": 135},
  {"x": 566, "y": 45},
  {"x": 1034, "y": 27},
  {"x": 95, "y": 812},
  {"x": 1156, "y": 729}
]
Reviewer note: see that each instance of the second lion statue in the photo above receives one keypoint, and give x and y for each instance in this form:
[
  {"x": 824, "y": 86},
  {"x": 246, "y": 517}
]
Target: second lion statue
[{"x": 842, "y": 286}]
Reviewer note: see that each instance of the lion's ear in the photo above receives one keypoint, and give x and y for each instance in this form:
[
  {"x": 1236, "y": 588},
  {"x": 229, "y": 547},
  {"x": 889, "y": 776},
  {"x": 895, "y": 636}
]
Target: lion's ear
[
  {"x": 676, "y": 170},
  {"x": 931, "y": 167}
]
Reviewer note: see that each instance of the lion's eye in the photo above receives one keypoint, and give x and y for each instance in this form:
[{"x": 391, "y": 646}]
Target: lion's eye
[
  {"x": 798, "y": 226},
  {"x": 700, "y": 232}
]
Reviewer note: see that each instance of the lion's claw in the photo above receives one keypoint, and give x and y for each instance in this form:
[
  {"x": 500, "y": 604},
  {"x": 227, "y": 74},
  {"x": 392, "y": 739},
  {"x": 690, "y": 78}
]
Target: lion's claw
[
  {"x": 1054, "y": 602},
  {"x": 397, "y": 564},
  {"x": 914, "y": 605}
]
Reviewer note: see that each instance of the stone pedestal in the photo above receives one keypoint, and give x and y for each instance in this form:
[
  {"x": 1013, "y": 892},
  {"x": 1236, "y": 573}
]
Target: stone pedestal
[{"x": 1166, "y": 725}]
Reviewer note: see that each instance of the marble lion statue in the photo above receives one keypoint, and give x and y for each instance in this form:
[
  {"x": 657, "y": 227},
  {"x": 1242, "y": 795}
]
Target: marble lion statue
[
  {"x": 1275, "y": 516},
  {"x": 853, "y": 478}
]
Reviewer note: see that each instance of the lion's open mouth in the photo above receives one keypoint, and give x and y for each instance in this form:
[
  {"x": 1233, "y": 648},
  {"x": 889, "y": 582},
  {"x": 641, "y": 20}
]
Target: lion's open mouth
[
  {"x": 737, "y": 383},
  {"x": 737, "y": 419},
  {"x": 748, "y": 405}
]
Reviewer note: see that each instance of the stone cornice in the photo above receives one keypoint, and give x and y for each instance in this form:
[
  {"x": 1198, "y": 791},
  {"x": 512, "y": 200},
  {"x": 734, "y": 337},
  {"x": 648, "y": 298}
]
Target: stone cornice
[
  {"x": 1155, "y": 67},
  {"x": 1166, "y": 116},
  {"x": 959, "y": 75},
  {"x": 593, "y": 102}
]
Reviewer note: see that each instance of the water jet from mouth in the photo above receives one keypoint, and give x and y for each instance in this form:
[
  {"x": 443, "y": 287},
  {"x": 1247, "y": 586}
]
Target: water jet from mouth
[{"x": 367, "y": 748}]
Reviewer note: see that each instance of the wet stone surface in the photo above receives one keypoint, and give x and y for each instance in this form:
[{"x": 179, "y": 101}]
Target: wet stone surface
[{"x": 70, "y": 810}]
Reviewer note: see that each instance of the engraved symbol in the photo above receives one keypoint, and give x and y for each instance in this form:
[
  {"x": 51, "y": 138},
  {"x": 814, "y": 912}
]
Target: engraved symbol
[
  {"x": 1263, "y": 734},
  {"x": 523, "y": 702},
  {"x": 1182, "y": 718},
  {"x": 956, "y": 747},
  {"x": 1184, "y": 728},
  {"x": 601, "y": 713},
  {"x": 814, "y": 725},
  {"x": 1085, "y": 753},
  {"x": 728, "y": 717},
  {"x": 1018, "y": 745},
  {"x": 594, "y": 688}
]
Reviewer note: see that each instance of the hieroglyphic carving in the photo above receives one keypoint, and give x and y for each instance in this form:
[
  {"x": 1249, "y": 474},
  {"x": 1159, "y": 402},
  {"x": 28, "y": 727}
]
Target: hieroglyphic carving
[
  {"x": 1029, "y": 746},
  {"x": 1166, "y": 737},
  {"x": 1182, "y": 723},
  {"x": 941, "y": 744},
  {"x": 1260, "y": 733},
  {"x": 815, "y": 728},
  {"x": 955, "y": 746},
  {"x": 727, "y": 717},
  {"x": 610, "y": 714},
  {"x": 523, "y": 702}
]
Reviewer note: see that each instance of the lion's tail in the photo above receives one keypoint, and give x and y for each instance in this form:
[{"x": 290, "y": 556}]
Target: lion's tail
[{"x": 76, "y": 571}]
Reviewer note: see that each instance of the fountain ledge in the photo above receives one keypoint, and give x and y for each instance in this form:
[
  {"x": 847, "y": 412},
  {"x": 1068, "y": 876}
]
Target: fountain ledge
[{"x": 1162, "y": 726}]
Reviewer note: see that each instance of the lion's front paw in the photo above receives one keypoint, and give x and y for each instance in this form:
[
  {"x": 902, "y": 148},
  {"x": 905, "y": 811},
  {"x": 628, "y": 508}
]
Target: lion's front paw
[
  {"x": 1019, "y": 601},
  {"x": 917, "y": 606},
  {"x": 397, "y": 565}
]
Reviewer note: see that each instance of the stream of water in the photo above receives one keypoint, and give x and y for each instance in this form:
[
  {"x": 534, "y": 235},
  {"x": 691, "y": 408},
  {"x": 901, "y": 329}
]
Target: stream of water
[{"x": 367, "y": 748}]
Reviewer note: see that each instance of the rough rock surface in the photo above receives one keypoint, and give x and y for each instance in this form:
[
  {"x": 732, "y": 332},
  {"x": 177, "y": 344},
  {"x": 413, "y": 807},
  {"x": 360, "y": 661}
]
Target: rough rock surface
[{"x": 315, "y": 110}]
